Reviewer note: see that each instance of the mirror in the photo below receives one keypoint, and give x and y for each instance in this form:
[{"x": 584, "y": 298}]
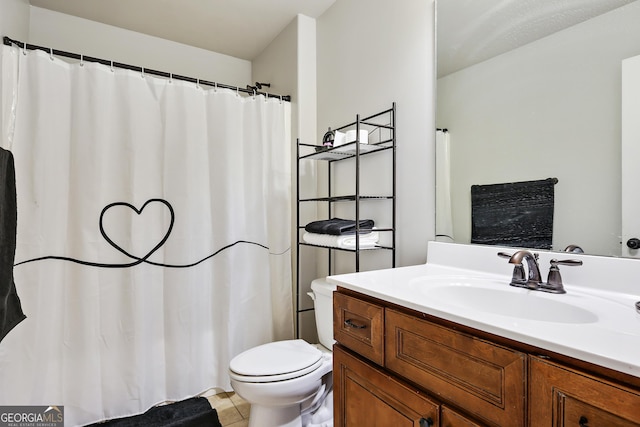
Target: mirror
[{"x": 529, "y": 92}]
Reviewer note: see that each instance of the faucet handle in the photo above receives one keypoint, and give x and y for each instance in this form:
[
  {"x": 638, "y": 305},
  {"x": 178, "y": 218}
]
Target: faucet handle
[
  {"x": 571, "y": 262},
  {"x": 518, "y": 277},
  {"x": 554, "y": 280}
]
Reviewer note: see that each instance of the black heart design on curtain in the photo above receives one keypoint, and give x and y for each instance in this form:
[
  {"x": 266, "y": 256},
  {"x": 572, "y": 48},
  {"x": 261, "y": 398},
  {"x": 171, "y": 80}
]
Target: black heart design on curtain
[{"x": 162, "y": 241}]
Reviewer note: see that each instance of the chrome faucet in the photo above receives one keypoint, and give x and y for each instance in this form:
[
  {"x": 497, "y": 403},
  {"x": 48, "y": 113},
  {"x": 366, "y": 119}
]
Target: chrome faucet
[
  {"x": 534, "y": 281},
  {"x": 518, "y": 279}
]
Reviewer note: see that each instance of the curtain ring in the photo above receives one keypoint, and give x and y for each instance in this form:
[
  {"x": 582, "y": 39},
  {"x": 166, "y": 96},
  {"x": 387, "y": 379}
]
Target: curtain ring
[
  {"x": 280, "y": 99},
  {"x": 198, "y": 83},
  {"x": 82, "y": 60},
  {"x": 51, "y": 53},
  {"x": 266, "y": 96},
  {"x": 170, "y": 77},
  {"x": 215, "y": 87},
  {"x": 112, "y": 67},
  {"x": 237, "y": 91},
  {"x": 142, "y": 72},
  {"x": 24, "y": 49}
]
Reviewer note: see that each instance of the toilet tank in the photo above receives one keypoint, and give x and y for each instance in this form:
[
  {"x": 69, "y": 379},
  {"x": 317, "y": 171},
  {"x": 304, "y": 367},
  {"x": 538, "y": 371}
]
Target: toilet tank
[{"x": 323, "y": 303}]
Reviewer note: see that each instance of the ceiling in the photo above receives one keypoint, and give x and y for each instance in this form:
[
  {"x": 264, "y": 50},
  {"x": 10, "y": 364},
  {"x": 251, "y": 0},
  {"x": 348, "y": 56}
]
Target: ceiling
[
  {"x": 240, "y": 28},
  {"x": 471, "y": 31}
]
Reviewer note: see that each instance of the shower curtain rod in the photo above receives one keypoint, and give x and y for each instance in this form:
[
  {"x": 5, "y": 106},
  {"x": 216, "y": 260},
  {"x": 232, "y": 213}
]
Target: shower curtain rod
[{"x": 8, "y": 41}]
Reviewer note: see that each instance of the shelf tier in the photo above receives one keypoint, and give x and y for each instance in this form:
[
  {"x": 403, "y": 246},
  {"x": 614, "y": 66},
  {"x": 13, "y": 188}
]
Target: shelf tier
[
  {"x": 346, "y": 151},
  {"x": 347, "y": 198},
  {"x": 301, "y": 227},
  {"x": 377, "y": 247}
]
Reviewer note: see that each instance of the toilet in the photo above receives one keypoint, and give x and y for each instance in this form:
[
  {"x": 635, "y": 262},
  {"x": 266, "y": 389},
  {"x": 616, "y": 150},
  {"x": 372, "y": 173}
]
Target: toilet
[{"x": 289, "y": 383}]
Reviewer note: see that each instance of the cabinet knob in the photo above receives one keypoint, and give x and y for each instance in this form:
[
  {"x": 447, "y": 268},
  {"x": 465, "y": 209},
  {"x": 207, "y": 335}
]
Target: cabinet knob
[
  {"x": 633, "y": 243},
  {"x": 426, "y": 422},
  {"x": 583, "y": 421}
]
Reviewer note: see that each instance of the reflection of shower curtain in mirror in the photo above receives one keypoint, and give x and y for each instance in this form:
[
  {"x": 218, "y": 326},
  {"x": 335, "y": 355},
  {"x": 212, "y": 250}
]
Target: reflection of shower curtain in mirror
[
  {"x": 153, "y": 239},
  {"x": 444, "y": 219}
]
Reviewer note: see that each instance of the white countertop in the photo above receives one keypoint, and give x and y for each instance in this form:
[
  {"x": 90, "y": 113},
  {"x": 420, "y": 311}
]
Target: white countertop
[{"x": 609, "y": 338}]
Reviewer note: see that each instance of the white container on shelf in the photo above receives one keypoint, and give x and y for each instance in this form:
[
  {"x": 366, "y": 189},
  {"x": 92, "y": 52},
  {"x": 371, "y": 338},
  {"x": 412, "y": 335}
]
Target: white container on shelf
[{"x": 351, "y": 136}]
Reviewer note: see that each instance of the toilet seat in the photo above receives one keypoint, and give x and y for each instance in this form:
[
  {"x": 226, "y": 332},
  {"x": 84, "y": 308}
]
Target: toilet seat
[{"x": 276, "y": 361}]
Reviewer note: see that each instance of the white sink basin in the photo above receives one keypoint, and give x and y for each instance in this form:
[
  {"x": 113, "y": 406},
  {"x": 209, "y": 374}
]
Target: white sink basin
[
  {"x": 497, "y": 297},
  {"x": 595, "y": 321}
]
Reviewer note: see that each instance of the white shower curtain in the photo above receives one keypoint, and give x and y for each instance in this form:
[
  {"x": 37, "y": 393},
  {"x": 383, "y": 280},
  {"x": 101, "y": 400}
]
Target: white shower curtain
[
  {"x": 444, "y": 214},
  {"x": 153, "y": 237}
]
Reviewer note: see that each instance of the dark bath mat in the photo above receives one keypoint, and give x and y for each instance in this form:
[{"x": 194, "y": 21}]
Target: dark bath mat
[{"x": 193, "y": 412}]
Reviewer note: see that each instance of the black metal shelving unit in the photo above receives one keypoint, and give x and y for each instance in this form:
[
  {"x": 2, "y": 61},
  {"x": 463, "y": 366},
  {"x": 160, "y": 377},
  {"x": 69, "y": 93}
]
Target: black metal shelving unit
[{"x": 382, "y": 126}]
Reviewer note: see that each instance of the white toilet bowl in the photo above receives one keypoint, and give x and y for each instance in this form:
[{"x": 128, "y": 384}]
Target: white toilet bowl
[
  {"x": 279, "y": 398},
  {"x": 284, "y": 381}
]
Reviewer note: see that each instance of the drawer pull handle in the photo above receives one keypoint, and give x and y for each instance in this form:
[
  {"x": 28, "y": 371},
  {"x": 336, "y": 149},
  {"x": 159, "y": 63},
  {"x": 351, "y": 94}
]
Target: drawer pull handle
[
  {"x": 350, "y": 324},
  {"x": 426, "y": 422},
  {"x": 584, "y": 422}
]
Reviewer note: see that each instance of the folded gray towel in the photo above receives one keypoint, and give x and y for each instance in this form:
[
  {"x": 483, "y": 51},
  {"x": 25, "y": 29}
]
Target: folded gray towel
[{"x": 338, "y": 226}]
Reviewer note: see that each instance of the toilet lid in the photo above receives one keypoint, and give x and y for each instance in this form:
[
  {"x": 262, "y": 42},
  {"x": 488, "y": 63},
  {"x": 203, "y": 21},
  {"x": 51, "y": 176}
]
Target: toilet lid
[{"x": 278, "y": 360}]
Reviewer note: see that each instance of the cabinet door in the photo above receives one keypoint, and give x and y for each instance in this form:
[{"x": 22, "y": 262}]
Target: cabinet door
[
  {"x": 366, "y": 396},
  {"x": 485, "y": 379},
  {"x": 559, "y": 396},
  {"x": 451, "y": 418}
]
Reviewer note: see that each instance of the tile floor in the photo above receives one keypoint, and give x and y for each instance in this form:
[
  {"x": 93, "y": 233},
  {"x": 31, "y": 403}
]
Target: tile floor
[{"x": 233, "y": 411}]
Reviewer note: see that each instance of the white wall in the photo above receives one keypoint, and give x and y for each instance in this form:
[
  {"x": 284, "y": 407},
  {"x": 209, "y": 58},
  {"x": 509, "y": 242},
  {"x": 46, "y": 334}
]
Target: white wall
[
  {"x": 372, "y": 53},
  {"x": 82, "y": 36},
  {"x": 538, "y": 112},
  {"x": 289, "y": 64},
  {"x": 14, "y": 18}
]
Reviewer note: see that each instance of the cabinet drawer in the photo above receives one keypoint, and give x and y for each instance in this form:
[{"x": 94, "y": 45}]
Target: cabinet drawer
[
  {"x": 359, "y": 325},
  {"x": 486, "y": 379},
  {"x": 366, "y": 396},
  {"x": 560, "y": 396}
]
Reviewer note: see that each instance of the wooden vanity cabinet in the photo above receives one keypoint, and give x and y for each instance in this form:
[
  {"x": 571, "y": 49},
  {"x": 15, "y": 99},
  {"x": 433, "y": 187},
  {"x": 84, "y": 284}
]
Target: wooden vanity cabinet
[
  {"x": 561, "y": 396},
  {"x": 396, "y": 367}
]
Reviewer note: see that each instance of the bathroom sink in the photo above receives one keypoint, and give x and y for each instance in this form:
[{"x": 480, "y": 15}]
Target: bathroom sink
[{"x": 497, "y": 297}]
